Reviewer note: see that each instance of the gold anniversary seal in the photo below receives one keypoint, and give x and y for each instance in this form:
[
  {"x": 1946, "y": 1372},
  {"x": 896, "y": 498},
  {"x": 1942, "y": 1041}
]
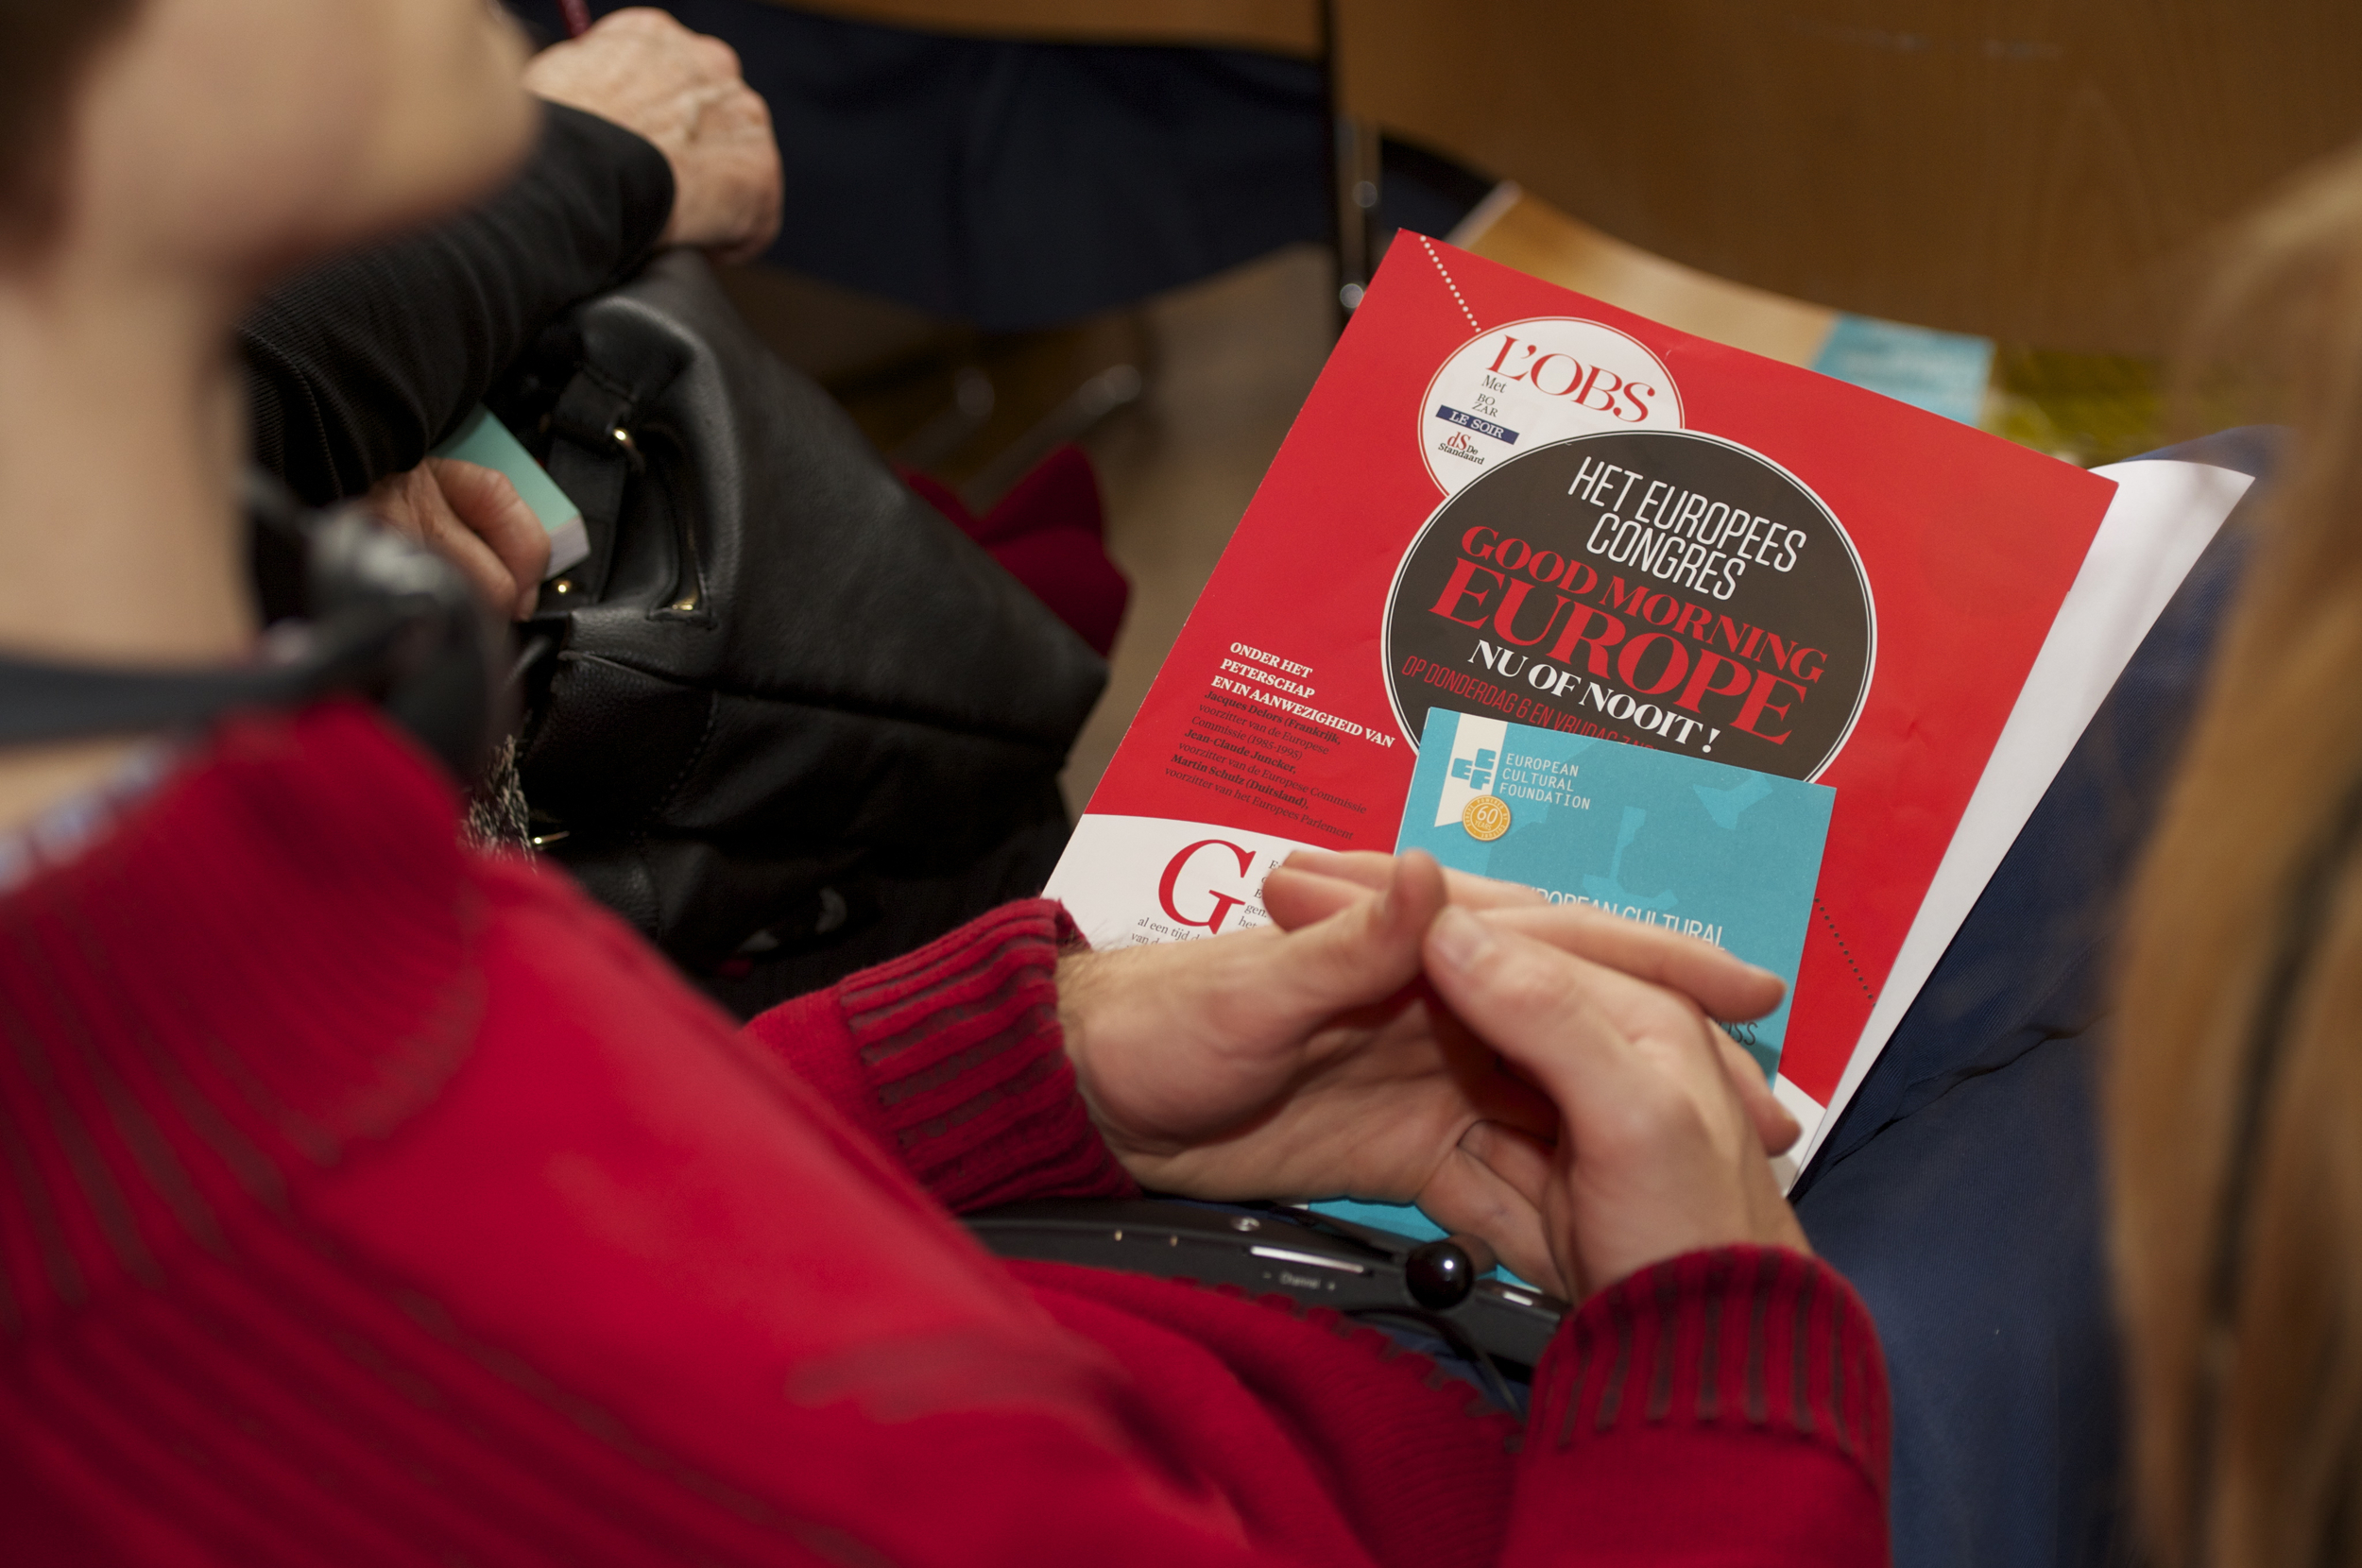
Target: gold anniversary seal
[{"x": 1486, "y": 818}]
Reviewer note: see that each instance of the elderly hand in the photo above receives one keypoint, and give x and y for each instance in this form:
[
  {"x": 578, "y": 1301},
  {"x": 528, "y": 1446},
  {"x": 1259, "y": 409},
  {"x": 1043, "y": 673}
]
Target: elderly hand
[
  {"x": 683, "y": 91},
  {"x": 473, "y": 517},
  {"x": 1314, "y": 1061},
  {"x": 1665, "y": 1130},
  {"x": 1695, "y": 978}
]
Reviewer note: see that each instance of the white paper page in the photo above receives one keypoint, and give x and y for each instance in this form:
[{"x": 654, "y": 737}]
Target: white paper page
[{"x": 2163, "y": 516}]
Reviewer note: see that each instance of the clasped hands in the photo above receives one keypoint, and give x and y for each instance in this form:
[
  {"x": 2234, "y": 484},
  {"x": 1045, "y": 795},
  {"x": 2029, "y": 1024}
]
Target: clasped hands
[{"x": 1548, "y": 1078}]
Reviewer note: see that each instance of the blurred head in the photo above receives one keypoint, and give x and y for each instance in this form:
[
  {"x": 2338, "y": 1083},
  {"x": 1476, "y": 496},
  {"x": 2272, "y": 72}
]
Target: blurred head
[
  {"x": 233, "y": 137},
  {"x": 2243, "y": 975}
]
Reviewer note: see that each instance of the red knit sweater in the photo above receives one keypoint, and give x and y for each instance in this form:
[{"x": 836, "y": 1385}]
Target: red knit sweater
[{"x": 363, "y": 1202}]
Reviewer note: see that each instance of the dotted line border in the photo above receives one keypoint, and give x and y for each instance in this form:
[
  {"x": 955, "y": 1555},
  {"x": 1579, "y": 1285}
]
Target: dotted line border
[
  {"x": 1847, "y": 952},
  {"x": 1474, "y": 325}
]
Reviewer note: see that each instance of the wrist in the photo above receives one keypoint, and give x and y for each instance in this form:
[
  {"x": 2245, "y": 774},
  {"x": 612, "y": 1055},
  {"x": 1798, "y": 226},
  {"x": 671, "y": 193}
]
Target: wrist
[
  {"x": 1613, "y": 1246},
  {"x": 1077, "y": 972},
  {"x": 1090, "y": 991}
]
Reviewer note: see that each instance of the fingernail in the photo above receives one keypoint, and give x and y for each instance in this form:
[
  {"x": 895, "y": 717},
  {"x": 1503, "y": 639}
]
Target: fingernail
[{"x": 1459, "y": 938}]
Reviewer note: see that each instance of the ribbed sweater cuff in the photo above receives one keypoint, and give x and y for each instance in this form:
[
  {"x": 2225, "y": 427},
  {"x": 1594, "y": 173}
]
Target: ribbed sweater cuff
[
  {"x": 958, "y": 1065},
  {"x": 1741, "y": 1338}
]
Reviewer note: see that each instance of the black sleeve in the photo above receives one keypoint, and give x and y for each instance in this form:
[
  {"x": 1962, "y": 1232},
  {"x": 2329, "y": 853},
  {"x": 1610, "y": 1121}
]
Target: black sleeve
[{"x": 357, "y": 368}]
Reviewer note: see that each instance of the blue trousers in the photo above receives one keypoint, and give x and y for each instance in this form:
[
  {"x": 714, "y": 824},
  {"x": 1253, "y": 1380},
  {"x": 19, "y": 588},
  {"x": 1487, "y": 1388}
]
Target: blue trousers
[
  {"x": 1014, "y": 184},
  {"x": 1960, "y": 1190}
]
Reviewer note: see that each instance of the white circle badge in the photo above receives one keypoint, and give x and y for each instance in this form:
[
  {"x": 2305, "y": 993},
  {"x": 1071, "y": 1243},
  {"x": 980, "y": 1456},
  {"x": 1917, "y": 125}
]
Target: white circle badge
[{"x": 1514, "y": 387}]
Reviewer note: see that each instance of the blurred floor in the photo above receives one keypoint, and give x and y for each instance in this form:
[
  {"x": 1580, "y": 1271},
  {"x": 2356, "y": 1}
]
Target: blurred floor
[{"x": 1235, "y": 357}]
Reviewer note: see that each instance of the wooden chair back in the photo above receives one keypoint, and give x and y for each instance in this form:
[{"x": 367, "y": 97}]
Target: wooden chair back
[{"x": 2029, "y": 170}]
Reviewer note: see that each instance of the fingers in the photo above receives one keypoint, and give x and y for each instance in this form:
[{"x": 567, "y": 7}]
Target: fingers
[
  {"x": 1363, "y": 952},
  {"x": 1522, "y": 1160},
  {"x": 1772, "y": 1122},
  {"x": 1313, "y": 884},
  {"x": 1333, "y": 877},
  {"x": 1727, "y": 987},
  {"x": 1589, "y": 1036},
  {"x": 1295, "y": 899},
  {"x": 1656, "y": 1155},
  {"x": 413, "y": 504},
  {"x": 1466, "y": 1196},
  {"x": 646, "y": 20},
  {"x": 721, "y": 61},
  {"x": 686, "y": 93},
  {"x": 1362, "y": 868},
  {"x": 1527, "y": 1000},
  {"x": 695, "y": 58},
  {"x": 388, "y": 501},
  {"x": 485, "y": 502}
]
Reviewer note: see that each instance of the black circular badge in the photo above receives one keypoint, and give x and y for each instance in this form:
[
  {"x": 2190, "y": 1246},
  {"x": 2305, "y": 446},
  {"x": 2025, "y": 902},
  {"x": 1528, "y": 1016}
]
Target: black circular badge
[{"x": 1662, "y": 587}]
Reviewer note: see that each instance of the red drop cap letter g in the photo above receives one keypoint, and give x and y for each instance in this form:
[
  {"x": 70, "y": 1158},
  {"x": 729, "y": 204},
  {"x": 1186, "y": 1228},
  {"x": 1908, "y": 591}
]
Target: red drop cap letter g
[{"x": 1224, "y": 903}]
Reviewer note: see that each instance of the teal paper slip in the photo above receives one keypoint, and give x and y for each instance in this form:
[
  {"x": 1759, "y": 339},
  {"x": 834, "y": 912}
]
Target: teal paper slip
[
  {"x": 1718, "y": 852},
  {"x": 483, "y": 440},
  {"x": 1725, "y": 854}
]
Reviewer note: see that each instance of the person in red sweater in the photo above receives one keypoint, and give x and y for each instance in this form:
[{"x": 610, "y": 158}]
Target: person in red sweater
[{"x": 365, "y": 1200}]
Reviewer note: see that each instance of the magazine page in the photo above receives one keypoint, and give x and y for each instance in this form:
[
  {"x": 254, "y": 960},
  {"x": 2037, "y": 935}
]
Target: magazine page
[{"x": 1506, "y": 500}]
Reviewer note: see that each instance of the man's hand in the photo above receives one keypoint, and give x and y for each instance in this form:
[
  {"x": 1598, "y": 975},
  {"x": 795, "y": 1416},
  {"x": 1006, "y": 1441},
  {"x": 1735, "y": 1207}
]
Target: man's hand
[
  {"x": 473, "y": 517},
  {"x": 1271, "y": 1063},
  {"x": 1313, "y": 1063},
  {"x": 1313, "y": 884},
  {"x": 1662, "y": 1149},
  {"x": 683, "y": 91}
]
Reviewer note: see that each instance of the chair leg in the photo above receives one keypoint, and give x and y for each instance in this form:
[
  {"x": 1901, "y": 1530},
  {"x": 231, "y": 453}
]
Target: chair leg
[
  {"x": 1354, "y": 180},
  {"x": 1359, "y": 173}
]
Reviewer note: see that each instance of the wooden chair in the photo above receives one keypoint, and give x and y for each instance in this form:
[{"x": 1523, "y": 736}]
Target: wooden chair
[
  {"x": 2029, "y": 171},
  {"x": 1518, "y": 228}
]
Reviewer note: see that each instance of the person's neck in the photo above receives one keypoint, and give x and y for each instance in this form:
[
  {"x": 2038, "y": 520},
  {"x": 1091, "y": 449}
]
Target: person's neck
[{"x": 120, "y": 540}]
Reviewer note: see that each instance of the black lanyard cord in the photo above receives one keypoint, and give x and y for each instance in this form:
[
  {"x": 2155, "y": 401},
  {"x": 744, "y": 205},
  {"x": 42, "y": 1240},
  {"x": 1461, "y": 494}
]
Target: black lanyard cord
[{"x": 42, "y": 702}]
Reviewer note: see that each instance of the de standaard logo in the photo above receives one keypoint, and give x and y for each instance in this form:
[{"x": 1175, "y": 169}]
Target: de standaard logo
[{"x": 1668, "y": 589}]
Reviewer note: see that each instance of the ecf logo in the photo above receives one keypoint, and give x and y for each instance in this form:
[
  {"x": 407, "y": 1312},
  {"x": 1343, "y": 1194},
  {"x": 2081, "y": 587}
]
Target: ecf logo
[
  {"x": 1475, "y": 753},
  {"x": 1477, "y": 770},
  {"x": 1224, "y": 902}
]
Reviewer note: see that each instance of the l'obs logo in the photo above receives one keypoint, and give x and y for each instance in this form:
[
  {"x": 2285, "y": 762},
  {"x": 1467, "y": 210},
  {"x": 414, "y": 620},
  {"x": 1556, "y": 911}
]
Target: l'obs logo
[
  {"x": 1531, "y": 382},
  {"x": 1196, "y": 878}
]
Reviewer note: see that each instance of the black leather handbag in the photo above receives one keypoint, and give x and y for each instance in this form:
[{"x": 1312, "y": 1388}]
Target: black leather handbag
[{"x": 786, "y": 719}]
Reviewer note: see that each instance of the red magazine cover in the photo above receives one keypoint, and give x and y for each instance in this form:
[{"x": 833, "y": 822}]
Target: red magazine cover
[{"x": 1506, "y": 499}]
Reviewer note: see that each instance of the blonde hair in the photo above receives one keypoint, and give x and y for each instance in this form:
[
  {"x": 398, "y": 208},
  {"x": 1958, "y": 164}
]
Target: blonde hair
[{"x": 2234, "y": 1099}]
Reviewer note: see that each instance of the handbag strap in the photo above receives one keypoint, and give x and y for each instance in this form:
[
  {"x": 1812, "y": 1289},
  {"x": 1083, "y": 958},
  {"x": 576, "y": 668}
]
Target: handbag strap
[{"x": 592, "y": 458}]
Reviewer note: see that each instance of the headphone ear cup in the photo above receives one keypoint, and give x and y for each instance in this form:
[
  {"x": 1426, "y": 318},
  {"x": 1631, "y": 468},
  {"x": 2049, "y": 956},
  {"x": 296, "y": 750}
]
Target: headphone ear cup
[{"x": 445, "y": 679}]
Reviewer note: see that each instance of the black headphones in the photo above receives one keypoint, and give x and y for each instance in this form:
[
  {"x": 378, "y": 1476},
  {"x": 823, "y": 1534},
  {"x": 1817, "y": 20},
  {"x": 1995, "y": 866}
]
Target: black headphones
[{"x": 353, "y": 606}]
